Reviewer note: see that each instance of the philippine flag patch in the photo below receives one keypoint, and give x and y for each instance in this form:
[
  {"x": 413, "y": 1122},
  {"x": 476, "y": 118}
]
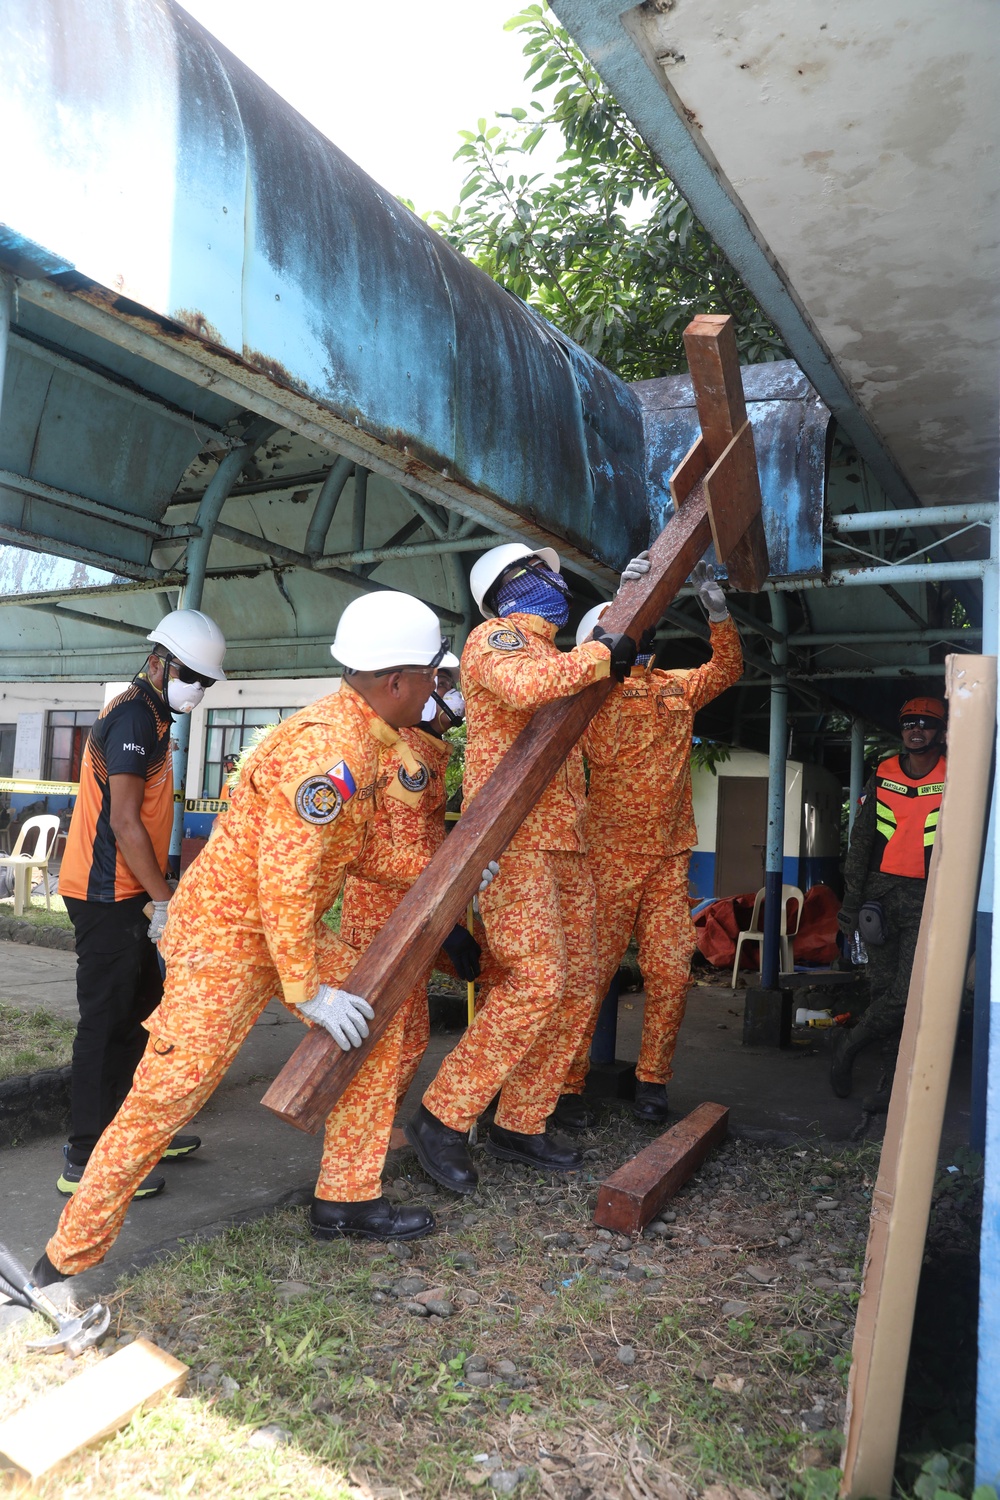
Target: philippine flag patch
[{"x": 340, "y": 775}]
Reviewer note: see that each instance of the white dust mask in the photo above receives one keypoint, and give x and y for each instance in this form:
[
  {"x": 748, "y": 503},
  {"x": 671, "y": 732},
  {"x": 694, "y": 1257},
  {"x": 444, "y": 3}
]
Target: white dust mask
[{"x": 184, "y": 696}]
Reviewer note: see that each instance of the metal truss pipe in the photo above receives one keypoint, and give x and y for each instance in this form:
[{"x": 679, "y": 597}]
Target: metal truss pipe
[
  {"x": 62, "y": 613},
  {"x": 326, "y": 504},
  {"x": 6, "y": 309},
  {"x": 890, "y": 573},
  {"x": 918, "y": 515},
  {"x": 882, "y": 637},
  {"x": 96, "y": 509},
  {"x": 422, "y": 508},
  {"x": 359, "y": 513},
  {"x": 907, "y": 671},
  {"x": 411, "y": 549},
  {"x": 320, "y": 565},
  {"x": 215, "y": 496}
]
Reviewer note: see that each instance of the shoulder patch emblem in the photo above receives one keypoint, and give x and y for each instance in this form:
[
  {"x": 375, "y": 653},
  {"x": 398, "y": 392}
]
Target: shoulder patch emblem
[
  {"x": 317, "y": 800},
  {"x": 418, "y": 782},
  {"x": 506, "y": 639}
]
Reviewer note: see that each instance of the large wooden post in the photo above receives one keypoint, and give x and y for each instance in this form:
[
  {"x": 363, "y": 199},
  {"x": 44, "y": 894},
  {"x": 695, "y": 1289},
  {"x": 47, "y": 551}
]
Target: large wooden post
[{"x": 717, "y": 494}]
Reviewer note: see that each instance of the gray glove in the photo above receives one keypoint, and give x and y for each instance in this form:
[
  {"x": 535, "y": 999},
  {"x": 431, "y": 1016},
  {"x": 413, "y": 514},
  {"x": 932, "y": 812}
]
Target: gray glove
[
  {"x": 709, "y": 593},
  {"x": 157, "y": 921},
  {"x": 489, "y": 875},
  {"x": 637, "y": 568},
  {"x": 340, "y": 1013}
]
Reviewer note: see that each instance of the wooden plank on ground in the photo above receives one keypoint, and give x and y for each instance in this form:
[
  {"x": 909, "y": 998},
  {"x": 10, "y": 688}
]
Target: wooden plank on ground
[
  {"x": 90, "y": 1405},
  {"x": 634, "y": 1194},
  {"x": 902, "y": 1196}
]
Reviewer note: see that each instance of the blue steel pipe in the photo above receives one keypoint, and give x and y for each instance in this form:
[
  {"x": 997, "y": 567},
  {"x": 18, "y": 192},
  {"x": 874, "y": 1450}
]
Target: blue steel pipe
[
  {"x": 326, "y": 504},
  {"x": 777, "y": 754},
  {"x": 196, "y": 563}
]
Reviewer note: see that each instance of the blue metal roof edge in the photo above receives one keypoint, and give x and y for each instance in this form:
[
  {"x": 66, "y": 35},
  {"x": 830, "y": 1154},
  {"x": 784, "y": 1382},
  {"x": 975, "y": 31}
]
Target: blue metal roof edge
[{"x": 600, "y": 28}]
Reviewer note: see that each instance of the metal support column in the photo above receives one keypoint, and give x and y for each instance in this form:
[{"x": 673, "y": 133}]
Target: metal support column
[
  {"x": 196, "y": 563},
  {"x": 985, "y": 1126},
  {"x": 326, "y": 505},
  {"x": 6, "y": 311},
  {"x": 777, "y": 756},
  {"x": 857, "y": 770},
  {"x": 360, "y": 513}
]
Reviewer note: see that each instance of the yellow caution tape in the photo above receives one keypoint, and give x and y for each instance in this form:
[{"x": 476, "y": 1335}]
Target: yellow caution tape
[
  {"x": 206, "y": 804},
  {"x": 51, "y": 788}
]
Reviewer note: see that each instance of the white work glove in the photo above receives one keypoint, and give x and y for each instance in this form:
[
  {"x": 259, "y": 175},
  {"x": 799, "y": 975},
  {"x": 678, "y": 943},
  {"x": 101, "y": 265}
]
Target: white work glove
[
  {"x": 489, "y": 875},
  {"x": 637, "y": 568},
  {"x": 709, "y": 593},
  {"x": 340, "y": 1013},
  {"x": 157, "y": 921}
]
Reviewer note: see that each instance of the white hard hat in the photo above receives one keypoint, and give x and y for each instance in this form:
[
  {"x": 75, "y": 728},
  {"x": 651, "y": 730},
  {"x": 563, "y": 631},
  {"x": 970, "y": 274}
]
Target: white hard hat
[
  {"x": 588, "y": 622},
  {"x": 382, "y": 630},
  {"x": 193, "y": 639},
  {"x": 487, "y": 569}
]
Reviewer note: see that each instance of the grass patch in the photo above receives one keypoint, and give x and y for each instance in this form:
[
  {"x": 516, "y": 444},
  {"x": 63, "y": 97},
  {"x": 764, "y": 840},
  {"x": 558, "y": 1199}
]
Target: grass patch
[
  {"x": 38, "y": 915},
  {"x": 32, "y": 1040},
  {"x": 713, "y": 1350}
]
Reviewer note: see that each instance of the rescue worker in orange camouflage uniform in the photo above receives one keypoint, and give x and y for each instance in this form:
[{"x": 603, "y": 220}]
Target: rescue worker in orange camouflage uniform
[
  {"x": 247, "y": 921},
  {"x": 539, "y": 913},
  {"x": 414, "y": 833},
  {"x": 640, "y": 829}
]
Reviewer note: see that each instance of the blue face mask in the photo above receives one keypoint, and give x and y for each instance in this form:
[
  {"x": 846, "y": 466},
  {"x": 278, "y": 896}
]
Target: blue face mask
[{"x": 534, "y": 591}]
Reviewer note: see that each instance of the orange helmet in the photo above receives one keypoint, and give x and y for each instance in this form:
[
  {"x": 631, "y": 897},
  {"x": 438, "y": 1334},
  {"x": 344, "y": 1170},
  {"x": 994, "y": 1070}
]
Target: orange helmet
[{"x": 930, "y": 708}]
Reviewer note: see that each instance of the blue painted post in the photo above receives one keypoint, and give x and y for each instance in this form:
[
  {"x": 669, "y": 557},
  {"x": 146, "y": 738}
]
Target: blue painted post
[
  {"x": 986, "y": 1097},
  {"x": 777, "y": 755},
  {"x": 605, "y": 1039},
  {"x": 212, "y": 501},
  {"x": 857, "y": 770},
  {"x": 6, "y": 306}
]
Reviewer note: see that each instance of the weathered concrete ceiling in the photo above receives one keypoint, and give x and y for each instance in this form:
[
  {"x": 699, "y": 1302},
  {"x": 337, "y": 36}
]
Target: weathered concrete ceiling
[{"x": 844, "y": 156}]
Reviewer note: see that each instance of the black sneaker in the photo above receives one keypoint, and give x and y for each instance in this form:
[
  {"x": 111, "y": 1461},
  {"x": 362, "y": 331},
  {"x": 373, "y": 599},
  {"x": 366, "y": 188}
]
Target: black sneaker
[
  {"x": 181, "y": 1145},
  {"x": 69, "y": 1180}
]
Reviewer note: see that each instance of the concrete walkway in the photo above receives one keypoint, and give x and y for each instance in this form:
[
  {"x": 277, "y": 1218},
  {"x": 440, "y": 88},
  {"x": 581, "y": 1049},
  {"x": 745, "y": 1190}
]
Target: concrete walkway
[{"x": 251, "y": 1161}]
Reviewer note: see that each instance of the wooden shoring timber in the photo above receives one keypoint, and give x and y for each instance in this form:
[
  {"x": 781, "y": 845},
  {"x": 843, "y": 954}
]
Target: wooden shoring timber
[
  {"x": 88, "y": 1406},
  {"x": 902, "y": 1196},
  {"x": 318, "y": 1071},
  {"x": 634, "y": 1195}
]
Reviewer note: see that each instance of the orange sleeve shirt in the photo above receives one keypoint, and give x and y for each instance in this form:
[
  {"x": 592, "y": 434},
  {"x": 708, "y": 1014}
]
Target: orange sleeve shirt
[
  {"x": 276, "y": 860},
  {"x": 130, "y": 738},
  {"x": 510, "y": 668},
  {"x": 638, "y": 746}
]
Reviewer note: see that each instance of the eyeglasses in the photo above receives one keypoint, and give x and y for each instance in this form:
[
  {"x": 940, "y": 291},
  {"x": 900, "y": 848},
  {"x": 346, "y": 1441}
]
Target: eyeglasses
[
  {"x": 185, "y": 674},
  {"x": 919, "y": 723}
]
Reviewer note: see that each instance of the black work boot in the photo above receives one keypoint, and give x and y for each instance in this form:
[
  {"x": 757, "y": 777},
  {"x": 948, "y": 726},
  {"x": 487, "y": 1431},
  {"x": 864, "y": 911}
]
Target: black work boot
[
  {"x": 375, "y": 1219},
  {"x": 549, "y": 1153},
  {"x": 845, "y": 1049},
  {"x": 650, "y": 1102},
  {"x": 442, "y": 1152},
  {"x": 44, "y": 1273},
  {"x": 572, "y": 1112}
]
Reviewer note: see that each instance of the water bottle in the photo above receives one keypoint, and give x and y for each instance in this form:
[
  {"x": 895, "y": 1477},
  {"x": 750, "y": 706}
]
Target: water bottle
[{"x": 859, "y": 953}]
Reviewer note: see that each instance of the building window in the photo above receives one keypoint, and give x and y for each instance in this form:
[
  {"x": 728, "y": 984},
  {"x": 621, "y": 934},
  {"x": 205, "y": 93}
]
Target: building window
[
  {"x": 66, "y": 732},
  {"x": 8, "y": 734},
  {"x": 229, "y": 729}
]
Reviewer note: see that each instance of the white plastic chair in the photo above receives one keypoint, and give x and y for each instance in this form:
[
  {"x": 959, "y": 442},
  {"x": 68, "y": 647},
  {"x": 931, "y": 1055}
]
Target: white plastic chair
[
  {"x": 23, "y": 860},
  {"x": 755, "y": 932}
]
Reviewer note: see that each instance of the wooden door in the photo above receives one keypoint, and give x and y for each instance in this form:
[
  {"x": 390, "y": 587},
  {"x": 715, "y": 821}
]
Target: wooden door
[{"x": 740, "y": 835}]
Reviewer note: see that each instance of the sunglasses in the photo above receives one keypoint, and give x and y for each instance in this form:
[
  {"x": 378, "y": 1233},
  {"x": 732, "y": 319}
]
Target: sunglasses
[
  {"x": 920, "y": 723},
  {"x": 185, "y": 674}
]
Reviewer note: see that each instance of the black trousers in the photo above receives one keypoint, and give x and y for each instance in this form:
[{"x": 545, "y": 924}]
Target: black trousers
[{"x": 118, "y": 984}]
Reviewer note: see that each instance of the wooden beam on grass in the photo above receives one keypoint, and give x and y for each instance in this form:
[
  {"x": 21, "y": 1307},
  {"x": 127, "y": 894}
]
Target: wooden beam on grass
[
  {"x": 90, "y": 1405},
  {"x": 318, "y": 1071},
  {"x": 634, "y": 1195}
]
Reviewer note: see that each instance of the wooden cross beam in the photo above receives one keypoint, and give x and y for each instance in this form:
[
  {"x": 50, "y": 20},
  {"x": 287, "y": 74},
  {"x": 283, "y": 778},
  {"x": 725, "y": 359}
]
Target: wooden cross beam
[{"x": 717, "y": 496}]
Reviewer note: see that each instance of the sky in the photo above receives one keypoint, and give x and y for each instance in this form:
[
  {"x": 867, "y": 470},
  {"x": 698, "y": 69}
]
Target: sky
[{"x": 391, "y": 84}]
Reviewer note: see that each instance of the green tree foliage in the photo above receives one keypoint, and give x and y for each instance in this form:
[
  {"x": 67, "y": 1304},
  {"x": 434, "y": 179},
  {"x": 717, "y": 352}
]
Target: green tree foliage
[{"x": 605, "y": 247}]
